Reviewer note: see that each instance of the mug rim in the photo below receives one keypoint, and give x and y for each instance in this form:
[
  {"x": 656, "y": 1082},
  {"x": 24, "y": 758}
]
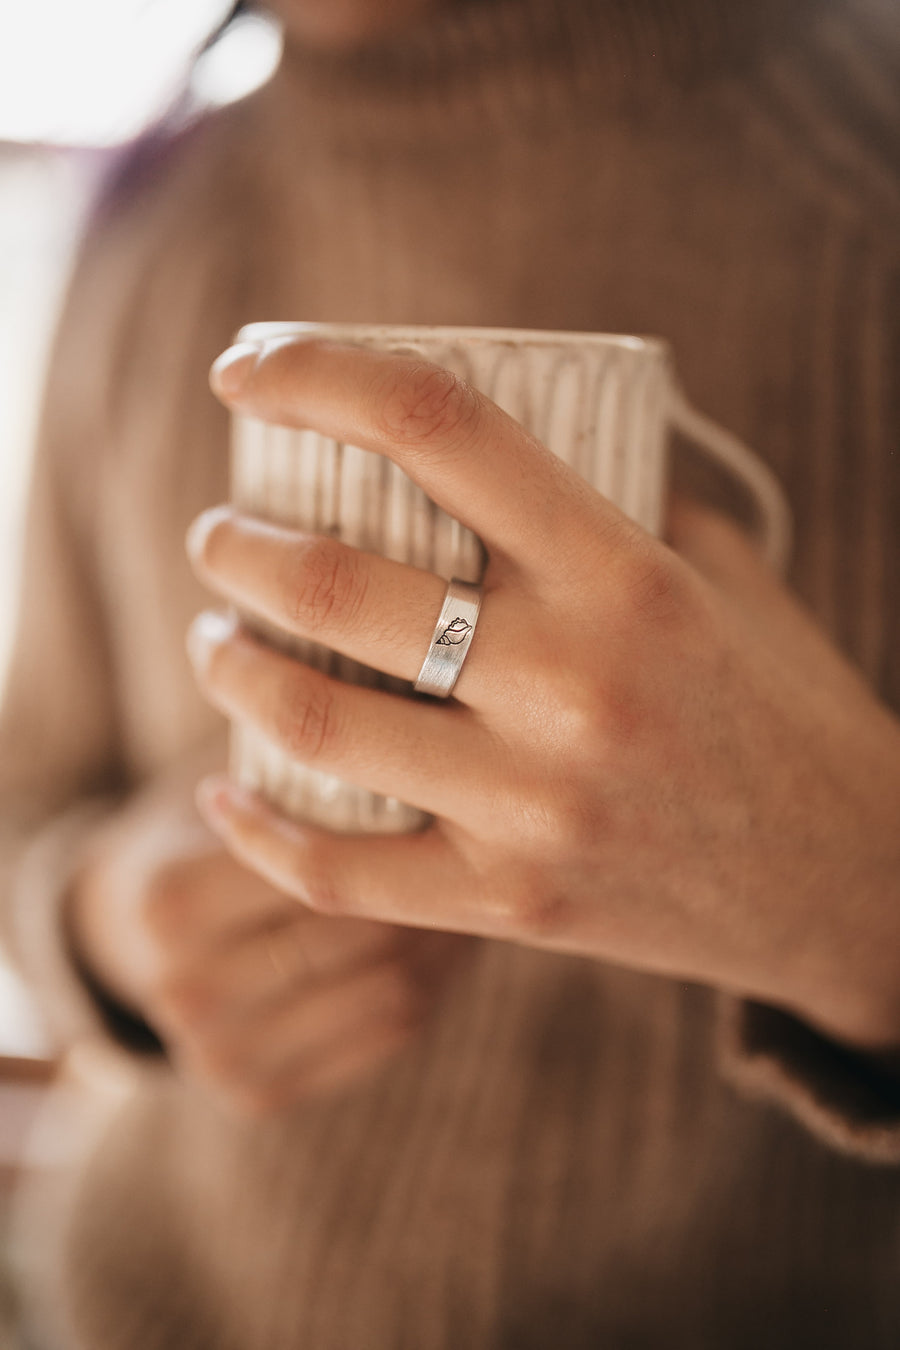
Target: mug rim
[{"x": 265, "y": 330}]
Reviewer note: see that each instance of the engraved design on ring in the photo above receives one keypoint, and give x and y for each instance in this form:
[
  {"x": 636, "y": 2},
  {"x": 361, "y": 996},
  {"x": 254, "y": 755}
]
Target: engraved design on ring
[{"x": 451, "y": 639}]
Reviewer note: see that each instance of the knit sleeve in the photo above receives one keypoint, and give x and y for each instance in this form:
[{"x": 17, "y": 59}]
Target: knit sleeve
[
  {"x": 62, "y": 770},
  {"x": 850, "y": 59},
  {"x": 844, "y": 1098}
]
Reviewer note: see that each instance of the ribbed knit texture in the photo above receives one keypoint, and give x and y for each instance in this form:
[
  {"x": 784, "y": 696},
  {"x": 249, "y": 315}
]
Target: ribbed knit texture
[{"x": 572, "y": 1155}]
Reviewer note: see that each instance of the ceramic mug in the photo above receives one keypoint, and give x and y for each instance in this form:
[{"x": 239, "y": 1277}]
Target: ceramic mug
[{"x": 604, "y": 403}]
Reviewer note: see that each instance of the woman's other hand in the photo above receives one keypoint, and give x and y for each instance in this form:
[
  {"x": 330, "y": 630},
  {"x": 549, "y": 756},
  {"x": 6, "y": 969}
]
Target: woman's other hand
[
  {"x": 652, "y": 754},
  {"x": 262, "y": 1000}
]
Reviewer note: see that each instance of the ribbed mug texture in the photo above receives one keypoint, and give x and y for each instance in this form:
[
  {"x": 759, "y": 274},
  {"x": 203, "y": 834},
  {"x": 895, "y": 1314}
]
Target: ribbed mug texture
[{"x": 598, "y": 401}]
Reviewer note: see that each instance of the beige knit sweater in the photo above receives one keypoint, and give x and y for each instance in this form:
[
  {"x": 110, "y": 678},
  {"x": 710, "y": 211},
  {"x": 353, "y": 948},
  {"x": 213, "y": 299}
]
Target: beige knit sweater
[{"x": 572, "y": 1155}]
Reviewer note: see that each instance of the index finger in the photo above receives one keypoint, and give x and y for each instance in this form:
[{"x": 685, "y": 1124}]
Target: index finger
[{"x": 465, "y": 452}]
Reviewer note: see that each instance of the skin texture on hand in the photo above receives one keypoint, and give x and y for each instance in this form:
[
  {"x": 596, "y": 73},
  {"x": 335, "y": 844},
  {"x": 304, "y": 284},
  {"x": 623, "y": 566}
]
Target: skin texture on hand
[
  {"x": 652, "y": 754},
  {"x": 258, "y": 998}
]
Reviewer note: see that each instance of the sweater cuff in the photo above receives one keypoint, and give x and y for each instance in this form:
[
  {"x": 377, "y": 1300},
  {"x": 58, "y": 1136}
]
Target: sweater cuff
[
  {"x": 74, "y": 1009},
  {"x": 839, "y": 1095}
]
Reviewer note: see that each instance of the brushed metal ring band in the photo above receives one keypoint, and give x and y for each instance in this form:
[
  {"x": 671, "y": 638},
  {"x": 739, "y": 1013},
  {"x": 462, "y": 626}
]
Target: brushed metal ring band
[{"x": 451, "y": 639}]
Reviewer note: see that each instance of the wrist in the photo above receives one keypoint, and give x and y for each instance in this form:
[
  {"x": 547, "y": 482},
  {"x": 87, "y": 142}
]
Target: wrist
[
  {"x": 886, "y": 1062},
  {"x": 122, "y": 1018},
  {"x": 855, "y": 995},
  {"x": 86, "y": 930},
  {"x": 865, "y": 1022}
]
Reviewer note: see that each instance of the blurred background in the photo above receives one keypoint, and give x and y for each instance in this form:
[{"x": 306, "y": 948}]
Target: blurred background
[{"x": 79, "y": 81}]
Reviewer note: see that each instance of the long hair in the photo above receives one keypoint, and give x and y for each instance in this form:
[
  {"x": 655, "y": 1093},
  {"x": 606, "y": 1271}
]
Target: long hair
[{"x": 134, "y": 162}]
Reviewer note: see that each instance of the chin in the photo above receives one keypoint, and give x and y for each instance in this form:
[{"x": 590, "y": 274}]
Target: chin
[{"x": 342, "y": 24}]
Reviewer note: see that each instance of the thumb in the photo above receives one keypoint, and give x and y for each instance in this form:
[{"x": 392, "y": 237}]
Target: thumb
[
  {"x": 719, "y": 549},
  {"x": 726, "y": 556}
]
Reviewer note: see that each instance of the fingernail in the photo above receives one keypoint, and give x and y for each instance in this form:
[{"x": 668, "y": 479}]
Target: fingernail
[
  {"x": 228, "y": 373},
  {"x": 202, "y": 527},
  {"x": 208, "y": 630}
]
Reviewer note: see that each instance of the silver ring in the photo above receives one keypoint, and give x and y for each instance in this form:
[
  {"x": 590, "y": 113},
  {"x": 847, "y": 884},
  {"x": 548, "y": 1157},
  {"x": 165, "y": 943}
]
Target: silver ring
[{"x": 451, "y": 639}]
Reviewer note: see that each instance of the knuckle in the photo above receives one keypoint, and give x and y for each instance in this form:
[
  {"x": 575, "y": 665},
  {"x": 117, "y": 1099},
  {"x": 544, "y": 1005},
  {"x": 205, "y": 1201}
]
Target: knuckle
[
  {"x": 562, "y": 692},
  {"x": 521, "y": 905},
  {"x": 307, "y": 720},
  {"x": 654, "y": 585},
  {"x": 427, "y": 403},
  {"x": 583, "y": 716},
  {"x": 325, "y": 585},
  {"x": 539, "y": 912},
  {"x": 596, "y": 714}
]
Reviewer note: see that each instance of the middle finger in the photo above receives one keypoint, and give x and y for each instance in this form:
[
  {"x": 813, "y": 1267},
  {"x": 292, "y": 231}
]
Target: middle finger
[{"x": 425, "y": 754}]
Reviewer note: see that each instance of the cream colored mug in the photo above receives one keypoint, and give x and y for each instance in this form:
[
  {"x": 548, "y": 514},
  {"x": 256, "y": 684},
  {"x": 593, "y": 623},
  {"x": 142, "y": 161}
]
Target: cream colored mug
[{"x": 604, "y": 403}]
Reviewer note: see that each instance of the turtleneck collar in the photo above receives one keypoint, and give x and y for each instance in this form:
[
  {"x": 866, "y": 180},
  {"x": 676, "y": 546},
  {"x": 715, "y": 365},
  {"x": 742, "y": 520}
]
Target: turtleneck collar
[{"x": 459, "y": 66}]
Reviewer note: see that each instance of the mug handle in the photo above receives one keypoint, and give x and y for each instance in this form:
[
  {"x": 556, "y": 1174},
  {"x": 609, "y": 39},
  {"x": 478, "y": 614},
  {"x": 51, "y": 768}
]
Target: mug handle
[{"x": 775, "y": 528}]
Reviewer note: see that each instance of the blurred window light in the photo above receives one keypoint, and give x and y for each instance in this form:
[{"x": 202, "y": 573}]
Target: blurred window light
[
  {"x": 98, "y": 72},
  {"x": 43, "y": 196},
  {"x": 244, "y": 57}
]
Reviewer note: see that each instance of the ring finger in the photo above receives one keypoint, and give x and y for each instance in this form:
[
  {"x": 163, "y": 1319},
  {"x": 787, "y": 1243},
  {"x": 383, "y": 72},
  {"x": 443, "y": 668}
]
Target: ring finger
[{"x": 372, "y": 609}]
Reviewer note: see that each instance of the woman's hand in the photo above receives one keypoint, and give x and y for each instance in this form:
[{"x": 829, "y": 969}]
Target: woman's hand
[
  {"x": 261, "y": 1000},
  {"x": 650, "y": 756}
]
